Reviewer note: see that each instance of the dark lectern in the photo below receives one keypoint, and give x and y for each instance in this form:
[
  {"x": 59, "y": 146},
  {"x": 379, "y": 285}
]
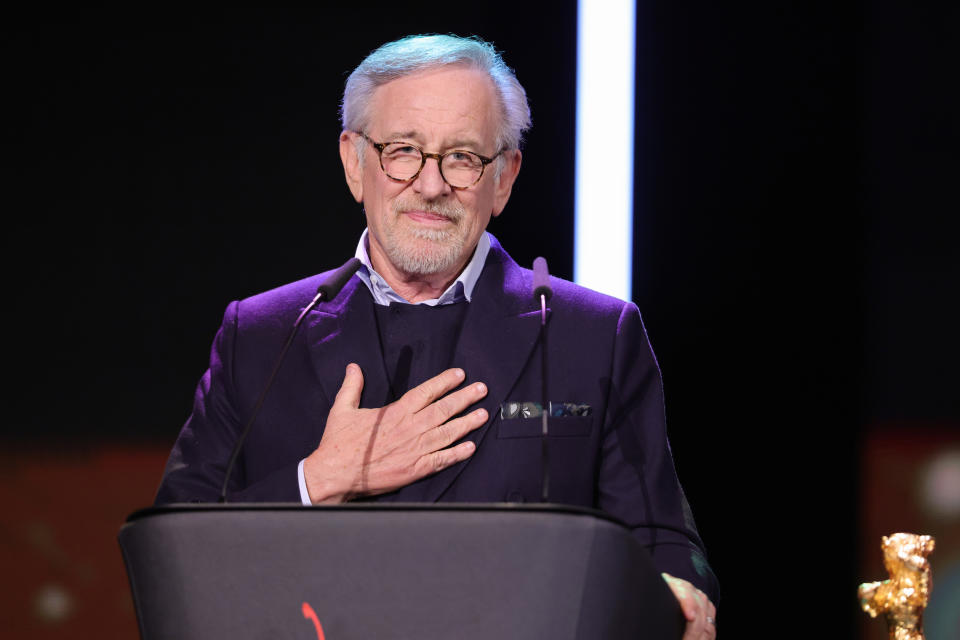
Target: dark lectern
[{"x": 392, "y": 571}]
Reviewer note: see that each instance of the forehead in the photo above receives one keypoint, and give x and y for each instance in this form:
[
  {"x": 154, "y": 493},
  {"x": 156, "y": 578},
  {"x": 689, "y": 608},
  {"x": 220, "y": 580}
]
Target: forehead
[{"x": 439, "y": 106}]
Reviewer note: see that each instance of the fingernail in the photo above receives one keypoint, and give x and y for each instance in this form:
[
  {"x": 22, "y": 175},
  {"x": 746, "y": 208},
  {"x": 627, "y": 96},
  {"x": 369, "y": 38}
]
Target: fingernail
[
  {"x": 481, "y": 388},
  {"x": 481, "y": 413},
  {"x": 459, "y": 374}
]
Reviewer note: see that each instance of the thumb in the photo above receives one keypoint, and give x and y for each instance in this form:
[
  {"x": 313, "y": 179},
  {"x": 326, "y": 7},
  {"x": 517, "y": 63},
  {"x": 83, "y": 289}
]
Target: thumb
[
  {"x": 349, "y": 394},
  {"x": 683, "y": 592}
]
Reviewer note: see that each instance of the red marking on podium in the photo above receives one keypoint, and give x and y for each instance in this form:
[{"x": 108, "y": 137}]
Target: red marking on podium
[{"x": 310, "y": 614}]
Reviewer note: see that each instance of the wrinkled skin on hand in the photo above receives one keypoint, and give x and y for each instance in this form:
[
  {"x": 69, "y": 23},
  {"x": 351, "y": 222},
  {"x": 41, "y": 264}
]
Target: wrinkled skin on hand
[
  {"x": 699, "y": 612},
  {"x": 373, "y": 451}
]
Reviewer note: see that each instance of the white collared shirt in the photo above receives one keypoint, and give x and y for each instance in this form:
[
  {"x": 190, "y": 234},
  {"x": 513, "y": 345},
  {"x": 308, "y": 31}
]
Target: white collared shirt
[{"x": 461, "y": 288}]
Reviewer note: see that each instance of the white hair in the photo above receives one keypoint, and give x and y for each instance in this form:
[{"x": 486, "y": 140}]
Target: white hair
[{"x": 413, "y": 54}]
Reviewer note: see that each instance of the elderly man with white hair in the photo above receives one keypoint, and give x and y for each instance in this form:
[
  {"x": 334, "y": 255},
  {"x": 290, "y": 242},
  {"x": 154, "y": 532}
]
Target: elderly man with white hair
[{"x": 408, "y": 385}]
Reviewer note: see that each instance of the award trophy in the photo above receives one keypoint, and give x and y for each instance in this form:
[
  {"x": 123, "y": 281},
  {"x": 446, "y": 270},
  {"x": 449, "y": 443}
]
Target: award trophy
[{"x": 902, "y": 598}]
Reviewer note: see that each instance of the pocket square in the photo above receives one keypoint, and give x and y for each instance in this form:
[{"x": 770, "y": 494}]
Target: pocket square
[{"x": 514, "y": 410}]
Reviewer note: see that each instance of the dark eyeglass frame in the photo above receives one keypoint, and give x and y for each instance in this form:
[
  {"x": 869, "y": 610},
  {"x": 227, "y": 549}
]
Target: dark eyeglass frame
[{"x": 380, "y": 146}]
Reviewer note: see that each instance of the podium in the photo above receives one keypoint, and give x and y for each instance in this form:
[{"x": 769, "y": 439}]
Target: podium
[{"x": 384, "y": 571}]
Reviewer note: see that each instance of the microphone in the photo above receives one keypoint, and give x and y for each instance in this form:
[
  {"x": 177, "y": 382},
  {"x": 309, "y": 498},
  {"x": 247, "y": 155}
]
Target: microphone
[
  {"x": 331, "y": 287},
  {"x": 542, "y": 292},
  {"x": 327, "y": 290},
  {"x": 541, "y": 281}
]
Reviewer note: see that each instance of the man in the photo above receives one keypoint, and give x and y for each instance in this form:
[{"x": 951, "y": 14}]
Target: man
[{"x": 401, "y": 387}]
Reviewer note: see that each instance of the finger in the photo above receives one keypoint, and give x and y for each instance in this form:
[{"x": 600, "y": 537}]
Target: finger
[
  {"x": 349, "y": 393},
  {"x": 696, "y": 625},
  {"x": 692, "y": 600},
  {"x": 440, "y": 460},
  {"x": 449, "y": 432},
  {"x": 699, "y": 626},
  {"x": 692, "y": 603},
  {"x": 452, "y": 404},
  {"x": 712, "y": 620},
  {"x": 682, "y": 593},
  {"x": 425, "y": 393}
]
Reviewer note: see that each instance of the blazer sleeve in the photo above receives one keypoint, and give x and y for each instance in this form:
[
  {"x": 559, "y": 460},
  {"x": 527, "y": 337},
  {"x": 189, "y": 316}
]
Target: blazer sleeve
[
  {"x": 637, "y": 481},
  {"x": 198, "y": 461}
]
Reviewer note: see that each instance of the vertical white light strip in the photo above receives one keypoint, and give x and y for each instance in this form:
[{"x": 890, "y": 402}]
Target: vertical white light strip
[{"x": 603, "y": 208}]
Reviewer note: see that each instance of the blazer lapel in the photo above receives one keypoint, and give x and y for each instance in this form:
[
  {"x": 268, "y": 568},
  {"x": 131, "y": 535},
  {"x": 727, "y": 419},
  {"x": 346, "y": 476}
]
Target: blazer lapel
[
  {"x": 342, "y": 331},
  {"x": 499, "y": 333}
]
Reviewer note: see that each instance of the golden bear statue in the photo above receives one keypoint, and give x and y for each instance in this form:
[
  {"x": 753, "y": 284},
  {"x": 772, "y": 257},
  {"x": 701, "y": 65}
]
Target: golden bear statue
[{"x": 902, "y": 598}]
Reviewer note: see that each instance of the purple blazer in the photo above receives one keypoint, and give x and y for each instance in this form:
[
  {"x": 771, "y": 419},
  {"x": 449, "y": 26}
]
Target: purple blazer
[{"x": 616, "y": 459}]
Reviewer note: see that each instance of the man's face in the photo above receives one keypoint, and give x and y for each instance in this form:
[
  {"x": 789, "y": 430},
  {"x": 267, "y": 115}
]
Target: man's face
[{"x": 425, "y": 227}]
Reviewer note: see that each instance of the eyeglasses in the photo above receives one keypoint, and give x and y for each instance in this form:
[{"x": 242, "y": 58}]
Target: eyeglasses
[{"x": 403, "y": 162}]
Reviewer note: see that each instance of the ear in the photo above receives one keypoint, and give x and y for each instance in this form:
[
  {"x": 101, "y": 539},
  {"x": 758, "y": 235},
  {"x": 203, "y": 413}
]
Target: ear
[
  {"x": 504, "y": 185},
  {"x": 352, "y": 169}
]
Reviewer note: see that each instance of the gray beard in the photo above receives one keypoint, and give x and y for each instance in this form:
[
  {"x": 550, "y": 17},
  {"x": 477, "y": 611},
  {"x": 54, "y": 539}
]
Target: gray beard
[{"x": 436, "y": 250}]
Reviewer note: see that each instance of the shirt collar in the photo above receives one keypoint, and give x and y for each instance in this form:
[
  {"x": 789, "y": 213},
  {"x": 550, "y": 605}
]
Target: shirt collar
[{"x": 460, "y": 289}]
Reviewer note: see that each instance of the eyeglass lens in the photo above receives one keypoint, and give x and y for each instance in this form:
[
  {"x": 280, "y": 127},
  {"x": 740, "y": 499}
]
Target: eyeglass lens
[{"x": 459, "y": 168}]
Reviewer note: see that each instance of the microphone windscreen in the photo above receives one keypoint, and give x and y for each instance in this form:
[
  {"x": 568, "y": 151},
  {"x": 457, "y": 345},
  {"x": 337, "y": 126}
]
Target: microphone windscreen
[
  {"x": 541, "y": 279},
  {"x": 336, "y": 280}
]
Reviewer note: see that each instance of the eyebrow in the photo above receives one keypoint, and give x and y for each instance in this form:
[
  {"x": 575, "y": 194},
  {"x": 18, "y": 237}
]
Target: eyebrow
[
  {"x": 455, "y": 143},
  {"x": 403, "y": 135}
]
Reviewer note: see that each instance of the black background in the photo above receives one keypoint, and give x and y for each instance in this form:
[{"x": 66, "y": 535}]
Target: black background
[{"x": 795, "y": 233}]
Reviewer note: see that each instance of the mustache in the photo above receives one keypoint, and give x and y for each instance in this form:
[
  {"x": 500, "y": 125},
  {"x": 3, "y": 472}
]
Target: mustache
[{"x": 451, "y": 210}]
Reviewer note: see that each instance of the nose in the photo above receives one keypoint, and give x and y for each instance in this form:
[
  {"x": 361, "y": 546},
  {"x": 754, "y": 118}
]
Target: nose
[{"x": 430, "y": 183}]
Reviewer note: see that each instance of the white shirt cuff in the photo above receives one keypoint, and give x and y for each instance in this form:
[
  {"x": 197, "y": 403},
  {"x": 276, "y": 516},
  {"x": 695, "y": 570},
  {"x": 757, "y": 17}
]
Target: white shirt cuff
[{"x": 304, "y": 494}]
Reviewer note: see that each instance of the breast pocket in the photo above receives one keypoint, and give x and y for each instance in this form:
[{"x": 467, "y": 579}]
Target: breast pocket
[{"x": 557, "y": 427}]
